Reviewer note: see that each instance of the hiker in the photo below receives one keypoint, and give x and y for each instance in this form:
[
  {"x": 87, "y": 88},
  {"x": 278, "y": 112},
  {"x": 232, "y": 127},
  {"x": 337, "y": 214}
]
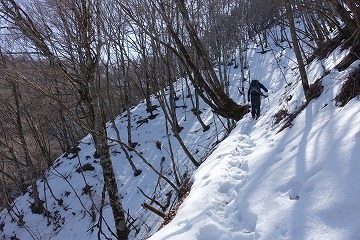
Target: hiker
[{"x": 255, "y": 93}]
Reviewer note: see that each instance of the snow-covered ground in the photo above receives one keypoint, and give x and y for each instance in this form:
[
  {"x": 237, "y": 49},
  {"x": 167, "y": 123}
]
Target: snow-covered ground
[{"x": 301, "y": 183}]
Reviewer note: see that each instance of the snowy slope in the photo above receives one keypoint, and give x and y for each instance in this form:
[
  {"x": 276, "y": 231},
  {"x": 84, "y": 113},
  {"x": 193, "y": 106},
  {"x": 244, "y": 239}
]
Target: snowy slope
[{"x": 301, "y": 183}]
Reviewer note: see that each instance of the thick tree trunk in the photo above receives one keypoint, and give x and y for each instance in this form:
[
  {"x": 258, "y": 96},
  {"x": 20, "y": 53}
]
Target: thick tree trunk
[
  {"x": 102, "y": 149},
  {"x": 303, "y": 75}
]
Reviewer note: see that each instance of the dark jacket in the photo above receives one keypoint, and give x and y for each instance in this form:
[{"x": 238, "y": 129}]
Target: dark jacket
[{"x": 255, "y": 89}]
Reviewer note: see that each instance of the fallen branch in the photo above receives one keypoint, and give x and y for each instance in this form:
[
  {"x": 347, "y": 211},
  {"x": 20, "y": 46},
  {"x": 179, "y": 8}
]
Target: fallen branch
[{"x": 154, "y": 210}]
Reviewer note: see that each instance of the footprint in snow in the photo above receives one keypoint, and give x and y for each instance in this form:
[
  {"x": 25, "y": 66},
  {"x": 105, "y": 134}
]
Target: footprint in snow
[{"x": 293, "y": 148}]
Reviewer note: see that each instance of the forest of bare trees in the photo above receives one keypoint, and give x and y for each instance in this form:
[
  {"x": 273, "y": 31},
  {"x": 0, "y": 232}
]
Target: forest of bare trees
[{"x": 69, "y": 66}]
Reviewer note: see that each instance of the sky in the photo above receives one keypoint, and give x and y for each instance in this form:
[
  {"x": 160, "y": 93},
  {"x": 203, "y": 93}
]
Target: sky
[{"x": 301, "y": 183}]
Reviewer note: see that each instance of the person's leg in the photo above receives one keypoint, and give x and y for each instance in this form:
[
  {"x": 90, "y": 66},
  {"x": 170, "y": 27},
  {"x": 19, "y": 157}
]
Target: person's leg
[
  {"x": 253, "y": 106},
  {"x": 257, "y": 106}
]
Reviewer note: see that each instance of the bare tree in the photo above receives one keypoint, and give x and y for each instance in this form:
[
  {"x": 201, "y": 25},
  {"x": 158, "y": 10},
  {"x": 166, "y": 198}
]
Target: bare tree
[
  {"x": 80, "y": 26},
  {"x": 297, "y": 51},
  {"x": 208, "y": 85}
]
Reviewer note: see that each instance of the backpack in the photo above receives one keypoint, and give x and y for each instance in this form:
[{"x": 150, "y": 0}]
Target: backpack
[{"x": 254, "y": 87}]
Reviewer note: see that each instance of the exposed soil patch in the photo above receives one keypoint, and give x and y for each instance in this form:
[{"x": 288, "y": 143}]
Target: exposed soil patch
[{"x": 350, "y": 88}]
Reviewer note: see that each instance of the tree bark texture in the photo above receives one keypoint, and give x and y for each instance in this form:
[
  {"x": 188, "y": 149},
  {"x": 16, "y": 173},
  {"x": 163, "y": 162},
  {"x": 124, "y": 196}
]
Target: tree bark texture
[{"x": 302, "y": 70}]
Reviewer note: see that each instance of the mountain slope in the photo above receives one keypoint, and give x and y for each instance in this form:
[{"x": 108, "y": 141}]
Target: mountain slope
[{"x": 301, "y": 183}]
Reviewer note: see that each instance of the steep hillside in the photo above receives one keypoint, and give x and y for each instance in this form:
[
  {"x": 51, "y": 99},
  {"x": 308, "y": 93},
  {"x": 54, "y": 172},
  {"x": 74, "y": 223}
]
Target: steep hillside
[{"x": 301, "y": 183}]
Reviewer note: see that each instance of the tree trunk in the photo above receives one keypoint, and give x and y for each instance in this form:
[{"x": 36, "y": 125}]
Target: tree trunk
[
  {"x": 162, "y": 101},
  {"x": 176, "y": 176},
  {"x": 297, "y": 51},
  {"x": 37, "y": 206},
  {"x": 353, "y": 24},
  {"x": 353, "y": 54},
  {"x": 137, "y": 172},
  {"x": 195, "y": 102},
  {"x": 339, "y": 10},
  {"x": 102, "y": 149},
  {"x": 242, "y": 55},
  {"x": 354, "y": 6},
  {"x": 172, "y": 94}
]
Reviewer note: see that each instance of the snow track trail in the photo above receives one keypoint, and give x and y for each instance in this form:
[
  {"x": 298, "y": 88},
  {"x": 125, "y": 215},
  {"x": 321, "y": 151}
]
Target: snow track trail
[{"x": 223, "y": 188}]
